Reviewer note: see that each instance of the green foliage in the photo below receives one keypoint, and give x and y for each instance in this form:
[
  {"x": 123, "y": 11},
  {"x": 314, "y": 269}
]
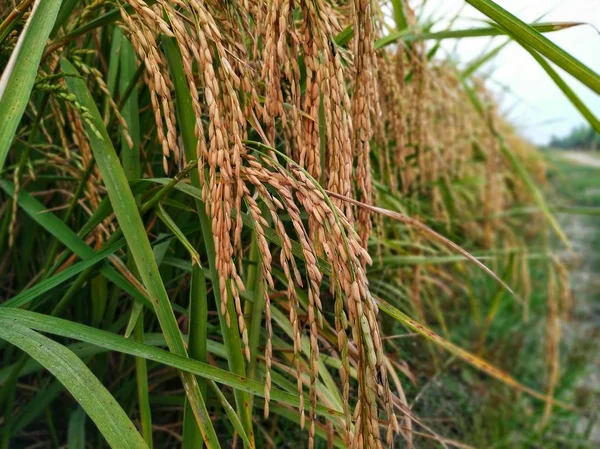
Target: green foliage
[
  {"x": 581, "y": 138},
  {"x": 117, "y": 326}
]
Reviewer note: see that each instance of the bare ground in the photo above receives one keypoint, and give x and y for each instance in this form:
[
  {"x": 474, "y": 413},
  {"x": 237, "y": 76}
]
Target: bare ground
[
  {"x": 582, "y": 158},
  {"x": 581, "y": 231}
]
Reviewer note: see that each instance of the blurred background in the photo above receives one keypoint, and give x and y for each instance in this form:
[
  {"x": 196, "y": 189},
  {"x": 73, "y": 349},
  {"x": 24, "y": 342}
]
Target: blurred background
[{"x": 527, "y": 96}]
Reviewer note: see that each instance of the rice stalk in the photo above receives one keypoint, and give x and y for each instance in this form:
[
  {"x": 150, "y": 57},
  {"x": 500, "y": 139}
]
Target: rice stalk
[{"x": 309, "y": 133}]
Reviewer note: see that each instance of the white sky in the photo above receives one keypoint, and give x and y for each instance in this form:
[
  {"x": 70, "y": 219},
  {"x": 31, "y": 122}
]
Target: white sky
[{"x": 530, "y": 98}]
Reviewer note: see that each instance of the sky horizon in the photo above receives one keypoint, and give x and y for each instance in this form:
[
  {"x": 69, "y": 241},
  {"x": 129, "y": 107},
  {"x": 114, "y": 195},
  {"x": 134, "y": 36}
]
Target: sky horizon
[{"x": 528, "y": 97}]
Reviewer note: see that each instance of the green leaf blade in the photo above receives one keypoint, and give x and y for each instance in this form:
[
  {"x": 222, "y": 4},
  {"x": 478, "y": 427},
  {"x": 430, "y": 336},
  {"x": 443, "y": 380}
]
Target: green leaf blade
[
  {"x": 19, "y": 75},
  {"x": 98, "y": 403}
]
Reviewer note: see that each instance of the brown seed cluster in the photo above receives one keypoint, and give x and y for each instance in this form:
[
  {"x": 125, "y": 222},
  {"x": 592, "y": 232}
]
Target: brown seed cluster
[
  {"x": 282, "y": 112},
  {"x": 219, "y": 79},
  {"x": 355, "y": 309},
  {"x": 293, "y": 126},
  {"x": 302, "y": 128},
  {"x": 363, "y": 99}
]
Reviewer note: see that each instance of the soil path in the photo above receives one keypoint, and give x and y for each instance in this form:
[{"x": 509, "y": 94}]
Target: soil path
[
  {"x": 582, "y": 231},
  {"x": 582, "y": 158}
]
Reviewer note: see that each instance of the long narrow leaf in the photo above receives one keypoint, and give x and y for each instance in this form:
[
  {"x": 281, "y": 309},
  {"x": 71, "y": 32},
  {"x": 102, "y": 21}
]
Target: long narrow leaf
[
  {"x": 231, "y": 335},
  {"x": 569, "y": 93},
  {"x": 19, "y": 75},
  {"x": 125, "y": 208},
  {"x": 112, "y": 342},
  {"x": 399, "y": 14},
  {"x": 48, "y": 284},
  {"x": 410, "y": 36},
  {"x": 98, "y": 403},
  {"x": 464, "y": 355},
  {"x": 530, "y": 36},
  {"x": 67, "y": 237}
]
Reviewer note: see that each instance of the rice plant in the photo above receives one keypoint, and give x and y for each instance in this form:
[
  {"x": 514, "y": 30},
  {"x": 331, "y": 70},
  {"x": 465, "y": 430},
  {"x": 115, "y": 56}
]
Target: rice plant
[{"x": 252, "y": 223}]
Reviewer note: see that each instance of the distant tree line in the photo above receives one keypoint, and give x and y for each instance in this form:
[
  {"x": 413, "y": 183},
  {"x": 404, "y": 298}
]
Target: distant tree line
[{"x": 581, "y": 137}]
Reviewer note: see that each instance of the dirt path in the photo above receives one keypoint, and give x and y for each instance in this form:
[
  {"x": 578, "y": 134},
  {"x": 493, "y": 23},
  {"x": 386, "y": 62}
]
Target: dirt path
[
  {"x": 585, "y": 321},
  {"x": 582, "y": 158}
]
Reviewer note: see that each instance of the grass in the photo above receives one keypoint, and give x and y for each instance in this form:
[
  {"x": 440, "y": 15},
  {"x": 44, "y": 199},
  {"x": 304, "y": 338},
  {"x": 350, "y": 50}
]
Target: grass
[{"x": 272, "y": 224}]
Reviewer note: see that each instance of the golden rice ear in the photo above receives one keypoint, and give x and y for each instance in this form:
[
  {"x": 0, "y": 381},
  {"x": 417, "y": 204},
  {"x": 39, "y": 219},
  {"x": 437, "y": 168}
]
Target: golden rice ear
[
  {"x": 296, "y": 190},
  {"x": 238, "y": 72},
  {"x": 308, "y": 135},
  {"x": 139, "y": 29},
  {"x": 364, "y": 101},
  {"x": 553, "y": 336}
]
